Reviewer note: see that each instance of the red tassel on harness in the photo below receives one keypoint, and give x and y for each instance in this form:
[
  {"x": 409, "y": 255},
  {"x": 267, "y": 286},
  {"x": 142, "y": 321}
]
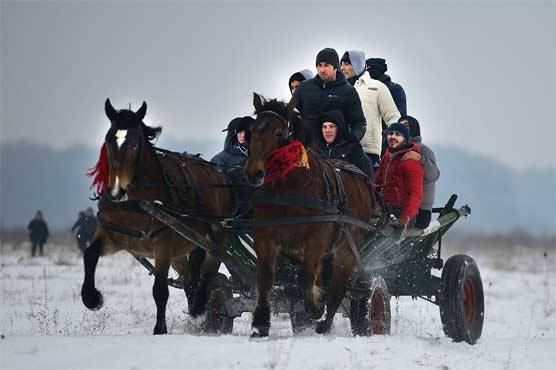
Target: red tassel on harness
[
  {"x": 282, "y": 160},
  {"x": 100, "y": 172}
]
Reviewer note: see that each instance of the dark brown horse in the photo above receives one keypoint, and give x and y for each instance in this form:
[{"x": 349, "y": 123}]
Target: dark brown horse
[
  {"x": 131, "y": 169},
  {"x": 320, "y": 247}
]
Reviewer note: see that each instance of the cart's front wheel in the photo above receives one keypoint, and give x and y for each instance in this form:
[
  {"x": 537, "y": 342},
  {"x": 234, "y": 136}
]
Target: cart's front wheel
[
  {"x": 371, "y": 315},
  {"x": 461, "y": 300},
  {"x": 218, "y": 292}
]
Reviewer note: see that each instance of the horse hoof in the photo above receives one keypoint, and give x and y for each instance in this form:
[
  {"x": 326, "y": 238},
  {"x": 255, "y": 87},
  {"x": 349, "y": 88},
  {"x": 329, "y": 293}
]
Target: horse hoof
[
  {"x": 92, "y": 299},
  {"x": 160, "y": 329},
  {"x": 314, "y": 311},
  {"x": 259, "y": 332},
  {"x": 322, "y": 327}
]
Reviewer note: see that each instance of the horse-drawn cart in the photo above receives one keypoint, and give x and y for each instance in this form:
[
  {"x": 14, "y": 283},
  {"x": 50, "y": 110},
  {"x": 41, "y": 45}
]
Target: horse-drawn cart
[{"x": 392, "y": 262}]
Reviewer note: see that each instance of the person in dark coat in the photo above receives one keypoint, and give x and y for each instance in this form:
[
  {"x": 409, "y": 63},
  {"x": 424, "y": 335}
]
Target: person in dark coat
[
  {"x": 297, "y": 78},
  {"x": 77, "y": 229},
  {"x": 38, "y": 233},
  {"x": 332, "y": 143},
  {"x": 377, "y": 68},
  {"x": 329, "y": 91},
  {"x": 428, "y": 160},
  {"x": 232, "y": 159}
]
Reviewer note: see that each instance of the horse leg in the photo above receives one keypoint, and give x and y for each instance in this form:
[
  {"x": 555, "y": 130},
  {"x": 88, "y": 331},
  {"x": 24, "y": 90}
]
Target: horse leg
[
  {"x": 160, "y": 293},
  {"x": 335, "y": 292},
  {"x": 192, "y": 280},
  {"x": 265, "y": 277},
  {"x": 91, "y": 297},
  {"x": 314, "y": 304}
]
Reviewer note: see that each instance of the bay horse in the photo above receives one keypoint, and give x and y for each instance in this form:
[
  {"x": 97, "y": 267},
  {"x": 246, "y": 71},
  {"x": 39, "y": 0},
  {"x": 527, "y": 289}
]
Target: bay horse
[
  {"x": 131, "y": 169},
  {"x": 313, "y": 186}
]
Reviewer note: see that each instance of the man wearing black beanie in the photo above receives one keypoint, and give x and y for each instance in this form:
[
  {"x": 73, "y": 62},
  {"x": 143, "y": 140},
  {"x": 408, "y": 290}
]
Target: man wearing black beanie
[
  {"x": 377, "y": 68},
  {"x": 328, "y": 91}
]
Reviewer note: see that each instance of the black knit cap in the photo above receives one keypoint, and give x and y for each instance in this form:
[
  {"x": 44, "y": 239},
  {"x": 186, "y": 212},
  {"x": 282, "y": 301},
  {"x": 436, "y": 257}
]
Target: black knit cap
[
  {"x": 328, "y": 55},
  {"x": 345, "y": 58},
  {"x": 376, "y": 66}
]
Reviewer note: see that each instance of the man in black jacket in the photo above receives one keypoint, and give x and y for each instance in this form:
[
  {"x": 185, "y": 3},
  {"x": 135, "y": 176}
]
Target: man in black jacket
[
  {"x": 328, "y": 91},
  {"x": 377, "y": 68},
  {"x": 333, "y": 145}
]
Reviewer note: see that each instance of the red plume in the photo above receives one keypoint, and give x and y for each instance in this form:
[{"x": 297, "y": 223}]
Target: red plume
[{"x": 100, "y": 172}]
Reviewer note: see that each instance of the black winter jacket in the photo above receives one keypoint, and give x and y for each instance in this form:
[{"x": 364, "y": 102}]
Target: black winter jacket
[
  {"x": 38, "y": 231},
  {"x": 341, "y": 148},
  {"x": 314, "y": 97},
  {"x": 397, "y": 92}
]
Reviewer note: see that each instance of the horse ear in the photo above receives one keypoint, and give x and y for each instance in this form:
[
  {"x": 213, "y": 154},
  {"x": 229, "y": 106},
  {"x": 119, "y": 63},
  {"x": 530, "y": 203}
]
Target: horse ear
[
  {"x": 291, "y": 106},
  {"x": 110, "y": 111},
  {"x": 258, "y": 101},
  {"x": 142, "y": 111}
]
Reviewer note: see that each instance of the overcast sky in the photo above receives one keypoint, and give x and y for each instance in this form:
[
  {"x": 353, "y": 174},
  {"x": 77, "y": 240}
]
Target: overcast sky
[{"x": 478, "y": 75}]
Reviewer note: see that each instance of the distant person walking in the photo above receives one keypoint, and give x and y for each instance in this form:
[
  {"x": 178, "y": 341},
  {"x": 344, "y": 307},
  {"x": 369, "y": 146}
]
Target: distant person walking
[{"x": 38, "y": 233}]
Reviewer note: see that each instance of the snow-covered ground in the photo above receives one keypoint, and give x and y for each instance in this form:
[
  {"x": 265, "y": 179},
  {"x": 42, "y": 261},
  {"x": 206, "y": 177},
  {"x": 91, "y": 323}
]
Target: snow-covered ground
[{"x": 44, "y": 325}]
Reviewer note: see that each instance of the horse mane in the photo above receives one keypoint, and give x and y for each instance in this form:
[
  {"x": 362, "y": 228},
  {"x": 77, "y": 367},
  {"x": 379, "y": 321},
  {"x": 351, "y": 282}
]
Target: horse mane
[
  {"x": 276, "y": 106},
  {"x": 280, "y": 107},
  {"x": 128, "y": 119}
]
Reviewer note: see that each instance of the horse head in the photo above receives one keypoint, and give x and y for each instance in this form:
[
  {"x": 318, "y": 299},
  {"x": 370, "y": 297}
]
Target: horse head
[
  {"x": 124, "y": 144},
  {"x": 270, "y": 130}
]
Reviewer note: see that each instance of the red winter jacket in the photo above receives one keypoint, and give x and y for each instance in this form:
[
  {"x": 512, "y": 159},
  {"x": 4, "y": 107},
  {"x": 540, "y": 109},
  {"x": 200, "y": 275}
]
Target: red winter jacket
[{"x": 400, "y": 182}]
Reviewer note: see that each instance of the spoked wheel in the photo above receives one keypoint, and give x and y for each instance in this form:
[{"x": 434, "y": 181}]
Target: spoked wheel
[
  {"x": 218, "y": 291},
  {"x": 461, "y": 299},
  {"x": 371, "y": 316}
]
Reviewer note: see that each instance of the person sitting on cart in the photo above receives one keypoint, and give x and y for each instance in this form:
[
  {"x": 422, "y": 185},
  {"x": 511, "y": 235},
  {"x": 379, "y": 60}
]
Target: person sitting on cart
[
  {"x": 232, "y": 159},
  {"x": 428, "y": 160},
  {"x": 333, "y": 144},
  {"x": 399, "y": 178}
]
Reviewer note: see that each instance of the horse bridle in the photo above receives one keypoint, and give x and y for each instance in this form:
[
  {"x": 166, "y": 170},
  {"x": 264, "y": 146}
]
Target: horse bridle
[{"x": 286, "y": 128}]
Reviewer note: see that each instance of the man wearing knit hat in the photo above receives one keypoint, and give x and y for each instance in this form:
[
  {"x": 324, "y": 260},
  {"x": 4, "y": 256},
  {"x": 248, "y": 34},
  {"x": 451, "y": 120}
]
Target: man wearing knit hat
[
  {"x": 376, "y": 100},
  {"x": 399, "y": 178},
  {"x": 328, "y": 91},
  {"x": 431, "y": 172},
  {"x": 377, "y": 68}
]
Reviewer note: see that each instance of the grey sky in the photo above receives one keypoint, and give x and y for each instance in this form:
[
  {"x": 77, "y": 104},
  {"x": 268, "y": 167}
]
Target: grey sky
[{"x": 478, "y": 75}]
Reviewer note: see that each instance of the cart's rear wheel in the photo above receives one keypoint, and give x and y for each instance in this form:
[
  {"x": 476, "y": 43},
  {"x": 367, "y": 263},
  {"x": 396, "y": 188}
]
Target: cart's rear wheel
[
  {"x": 371, "y": 316},
  {"x": 218, "y": 291},
  {"x": 461, "y": 299}
]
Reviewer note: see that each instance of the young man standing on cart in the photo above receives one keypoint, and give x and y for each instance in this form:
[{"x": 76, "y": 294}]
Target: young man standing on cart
[{"x": 399, "y": 178}]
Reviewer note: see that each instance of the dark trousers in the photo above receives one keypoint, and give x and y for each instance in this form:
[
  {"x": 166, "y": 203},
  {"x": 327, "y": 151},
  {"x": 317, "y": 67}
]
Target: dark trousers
[
  {"x": 34, "y": 245},
  {"x": 423, "y": 219},
  {"x": 375, "y": 159}
]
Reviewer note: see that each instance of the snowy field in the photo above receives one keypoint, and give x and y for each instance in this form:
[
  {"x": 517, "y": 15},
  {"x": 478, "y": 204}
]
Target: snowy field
[{"x": 44, "y": 325}]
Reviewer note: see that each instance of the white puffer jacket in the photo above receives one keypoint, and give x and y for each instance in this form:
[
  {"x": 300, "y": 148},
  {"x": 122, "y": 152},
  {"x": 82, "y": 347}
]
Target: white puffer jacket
[{"x": 378, "y": 105}]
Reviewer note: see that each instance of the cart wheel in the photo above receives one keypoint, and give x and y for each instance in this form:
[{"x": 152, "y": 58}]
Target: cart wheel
[
  {"x": 371, "y": 316},
  {"x": 461, "y": 300},
  {"x": 218, "y": 291}
]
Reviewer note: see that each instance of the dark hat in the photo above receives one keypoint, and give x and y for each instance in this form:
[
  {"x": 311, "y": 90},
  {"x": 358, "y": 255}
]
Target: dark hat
[
  {"x": 337, "y": 117},
  {"x": 239, "y": 124},
  {"x": 328, "y": 55},
  {"x": 401, "y": 128},
  {"x": 345, "y": 58},
  {"x": 376, "y": 66},
  {"x": 414, "y": 128}
]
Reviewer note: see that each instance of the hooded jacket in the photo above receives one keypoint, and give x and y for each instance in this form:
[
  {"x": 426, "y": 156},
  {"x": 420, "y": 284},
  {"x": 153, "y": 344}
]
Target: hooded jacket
[
  {"x": 341, "y": 148},
  {"x": 300, "y": 76},
  {"x": 431, "y": 174},
  {"x": 400, "y": 182},
  {"x": 233, "y": 157},
  {"x": 378, "y": 106},
  {"x": 314, "y": 96}
]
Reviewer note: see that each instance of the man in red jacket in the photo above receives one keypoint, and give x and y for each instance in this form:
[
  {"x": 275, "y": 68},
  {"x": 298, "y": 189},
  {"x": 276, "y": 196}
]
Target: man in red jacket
[{"x": 399, "y": 178}]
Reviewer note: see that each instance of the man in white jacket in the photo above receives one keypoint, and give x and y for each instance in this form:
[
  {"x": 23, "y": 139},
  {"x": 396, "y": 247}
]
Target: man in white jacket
[{"x": 376, "y": 101}]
